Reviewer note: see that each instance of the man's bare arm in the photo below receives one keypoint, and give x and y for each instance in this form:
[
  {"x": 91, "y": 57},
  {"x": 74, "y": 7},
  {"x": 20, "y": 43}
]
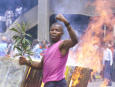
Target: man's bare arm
[
  {"x": 66, "y": 44},
  {"x": 33, "y": 64}
]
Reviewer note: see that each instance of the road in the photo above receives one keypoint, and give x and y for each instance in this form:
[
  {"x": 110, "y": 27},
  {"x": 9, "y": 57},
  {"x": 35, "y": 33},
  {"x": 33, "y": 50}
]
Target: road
[{"x": 98, "y": 84}]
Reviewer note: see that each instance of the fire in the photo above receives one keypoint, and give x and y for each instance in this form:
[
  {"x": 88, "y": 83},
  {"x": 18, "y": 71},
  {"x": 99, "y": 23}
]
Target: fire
[
  {"x": 76, "y": 77},
  {"x": 90, "y": 49},
  {"x": 89, "y": 52}
]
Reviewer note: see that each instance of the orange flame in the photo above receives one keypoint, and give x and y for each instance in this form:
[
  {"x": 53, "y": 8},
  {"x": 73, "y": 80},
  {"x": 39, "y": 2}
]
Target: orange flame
[
  {"x": 90, "y": 52},
  {"x": 75, "y": 80},
  {"x": 90, "y": 49}
]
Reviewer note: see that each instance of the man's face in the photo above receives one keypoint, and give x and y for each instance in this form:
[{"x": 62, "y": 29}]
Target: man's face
[{"x": 56, "y": 32}]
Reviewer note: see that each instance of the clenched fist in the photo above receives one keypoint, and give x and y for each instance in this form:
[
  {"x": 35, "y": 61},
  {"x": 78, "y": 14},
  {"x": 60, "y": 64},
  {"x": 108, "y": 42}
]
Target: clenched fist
[{"x": 60, "y": 17}]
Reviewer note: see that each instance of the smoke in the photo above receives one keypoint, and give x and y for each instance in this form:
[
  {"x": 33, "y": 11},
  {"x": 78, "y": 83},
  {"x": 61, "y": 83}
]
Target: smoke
[
  {"x": 67, "y": 6},
  {"x": 78, "y": 22},
  {"x": 90, "y": 49},
  {"x": 89, "y": 52},
  {"x": 71, "y": 10}
]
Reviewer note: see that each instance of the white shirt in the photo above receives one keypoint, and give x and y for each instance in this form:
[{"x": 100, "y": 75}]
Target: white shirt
[
  {"x": 9, "y": 14},
  {"x": 18, "y": 11},
  {"x": 107, "y": 56}
]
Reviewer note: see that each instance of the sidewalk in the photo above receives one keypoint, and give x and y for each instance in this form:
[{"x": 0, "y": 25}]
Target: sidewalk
[{"x": 98, "y": 84}]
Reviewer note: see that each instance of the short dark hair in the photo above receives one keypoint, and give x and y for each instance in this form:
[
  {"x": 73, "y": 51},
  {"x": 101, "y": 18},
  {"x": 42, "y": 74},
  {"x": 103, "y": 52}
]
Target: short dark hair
[{"x": 56, "y": 23}]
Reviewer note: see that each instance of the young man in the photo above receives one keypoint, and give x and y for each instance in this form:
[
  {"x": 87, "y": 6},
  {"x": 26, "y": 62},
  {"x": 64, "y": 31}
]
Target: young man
[
  {"x": 107, "y": 62},
  {"x": 55, "y": 57}
]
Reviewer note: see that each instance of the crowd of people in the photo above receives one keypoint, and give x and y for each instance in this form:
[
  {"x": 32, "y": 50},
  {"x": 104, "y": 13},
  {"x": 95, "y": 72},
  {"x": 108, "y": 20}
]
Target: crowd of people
[
  {"x": 11, "y": 15},
  {"x": 6, "y": 48}
]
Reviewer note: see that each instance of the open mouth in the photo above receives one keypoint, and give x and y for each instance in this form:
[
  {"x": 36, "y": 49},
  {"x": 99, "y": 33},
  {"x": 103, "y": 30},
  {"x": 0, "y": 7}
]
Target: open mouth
[{"x": 53, "y": 36}]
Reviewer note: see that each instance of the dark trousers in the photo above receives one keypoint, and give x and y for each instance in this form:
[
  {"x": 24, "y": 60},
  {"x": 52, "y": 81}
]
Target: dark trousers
[
  {"x": 107, "y": 71},
  {"x": 61, "y": 83}
]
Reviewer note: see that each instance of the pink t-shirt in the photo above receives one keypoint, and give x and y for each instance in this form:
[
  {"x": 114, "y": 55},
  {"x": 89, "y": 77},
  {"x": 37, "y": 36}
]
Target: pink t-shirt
[{"x": 54, "y": 63}]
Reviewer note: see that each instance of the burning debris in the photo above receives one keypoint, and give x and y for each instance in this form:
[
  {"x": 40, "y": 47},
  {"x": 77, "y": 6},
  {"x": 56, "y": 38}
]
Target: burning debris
[
  {"x": 89, "y": 52},
  {"x": 80, "y": 77},
  {"x": 99, "y": 32}
]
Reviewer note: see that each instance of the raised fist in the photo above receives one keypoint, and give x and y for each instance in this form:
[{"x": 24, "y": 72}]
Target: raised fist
[{"x": 60, "y": 17}]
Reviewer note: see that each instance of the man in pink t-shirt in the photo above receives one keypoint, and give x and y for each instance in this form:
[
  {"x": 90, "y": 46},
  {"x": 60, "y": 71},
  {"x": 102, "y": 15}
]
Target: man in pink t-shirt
[{"x": 55, "y": 57}]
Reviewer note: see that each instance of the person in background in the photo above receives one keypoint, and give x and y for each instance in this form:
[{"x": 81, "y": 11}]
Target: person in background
[
  {"x": 18, "y": 11},
  {"x": 36, "y": 49},
  {"x": 113, "y": 67},
  {"x": 107, "y": 62},
  {"x": 44, "y": 45},
  {"x": 3, "y": 46},
  {"x": 34, "y": 43},
  {"x": 55, "y": 57},
  {"x": 9, "y": 16},
  {"x": 39, "y": 48},
  {"x": 10, "y": 48}
]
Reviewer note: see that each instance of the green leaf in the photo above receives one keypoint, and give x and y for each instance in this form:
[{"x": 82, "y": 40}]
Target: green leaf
[
  {"x": 16, "y": 37},
  {"x": 18, "y": 42},
  {"x": 28, "y": 35},
  {"x": 14, "y": 47},
  {"x": 30, "y": 53},
  {"x": 28, "y": 41},
  {"x": 23, "y": 27},
  {"x": 24, "y": 46},
  {"x": 18, "y": 48},
  {"x": 28, "y": 48},
  {"x": 18, "y": 54},
  {"x": 30, "y": 58},
  {"x": 23, "y": 41},
  {"x": 15, "y": 30},
  {"x": 18, "y": 25}
]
